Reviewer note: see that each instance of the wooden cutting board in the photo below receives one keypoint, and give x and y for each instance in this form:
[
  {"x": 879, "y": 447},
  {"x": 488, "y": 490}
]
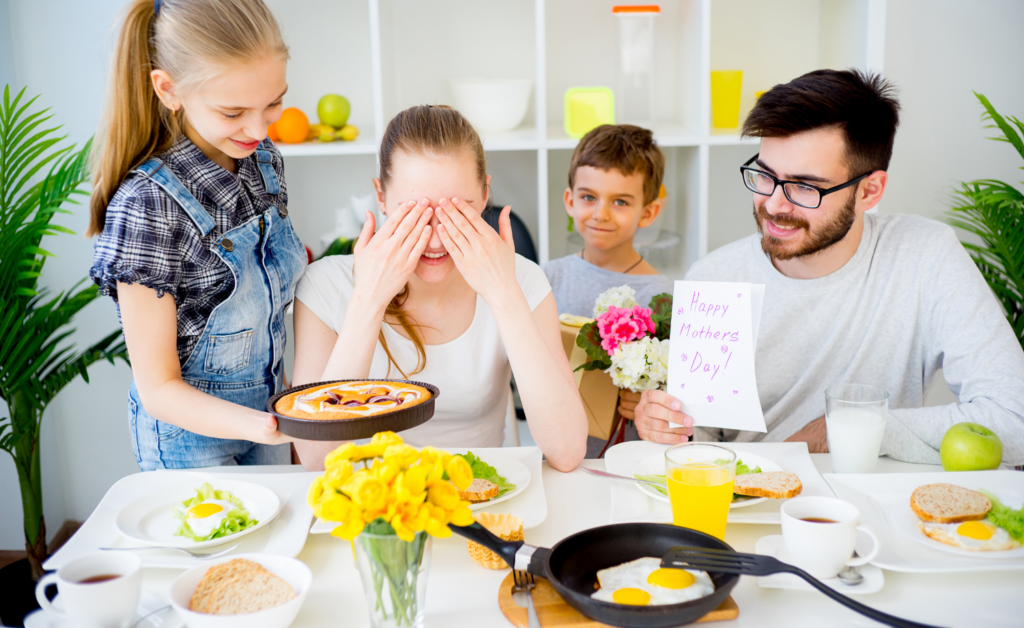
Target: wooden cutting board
[{"x": 553, "y": 612}]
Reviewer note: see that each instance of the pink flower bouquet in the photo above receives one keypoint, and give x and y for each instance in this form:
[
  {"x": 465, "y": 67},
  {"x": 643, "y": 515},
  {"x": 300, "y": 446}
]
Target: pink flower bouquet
[{"x": 627, "y": 341}]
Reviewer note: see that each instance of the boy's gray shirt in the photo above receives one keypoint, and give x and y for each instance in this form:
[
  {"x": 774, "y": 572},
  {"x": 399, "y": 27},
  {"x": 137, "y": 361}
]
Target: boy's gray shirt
[
  {"x": 577, "y": 283},
  {"x": 909, "y": 302}
]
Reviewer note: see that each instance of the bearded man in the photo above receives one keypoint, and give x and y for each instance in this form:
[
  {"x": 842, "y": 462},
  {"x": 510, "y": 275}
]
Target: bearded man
[{"x": 851, "y": 297}]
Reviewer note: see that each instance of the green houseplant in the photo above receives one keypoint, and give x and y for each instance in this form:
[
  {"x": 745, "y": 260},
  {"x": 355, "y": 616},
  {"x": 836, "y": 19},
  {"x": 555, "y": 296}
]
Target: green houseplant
[
  {"x": 37, "y": 177},
  {"x": 993, "y": 211}
]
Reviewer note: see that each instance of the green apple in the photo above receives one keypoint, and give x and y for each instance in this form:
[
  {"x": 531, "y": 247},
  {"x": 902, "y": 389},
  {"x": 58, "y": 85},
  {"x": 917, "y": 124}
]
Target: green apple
[
  {"x": 333, "y": 110},
  {"x": 970, "y": 447}
]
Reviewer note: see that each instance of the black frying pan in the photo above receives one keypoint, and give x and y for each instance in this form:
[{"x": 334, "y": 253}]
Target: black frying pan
[
  {"x": 358, "y": 427},
  {"x": 571, "y": 567}
]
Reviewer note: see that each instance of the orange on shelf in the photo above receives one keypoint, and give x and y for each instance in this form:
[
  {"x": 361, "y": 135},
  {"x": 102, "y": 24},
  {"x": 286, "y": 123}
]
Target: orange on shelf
[
  {"x": 272, "y": 133},
  {"x": 293, "y": 127}
]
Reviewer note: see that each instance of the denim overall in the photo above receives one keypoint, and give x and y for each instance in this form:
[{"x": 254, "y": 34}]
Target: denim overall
[{"x": 239, "y": 356}]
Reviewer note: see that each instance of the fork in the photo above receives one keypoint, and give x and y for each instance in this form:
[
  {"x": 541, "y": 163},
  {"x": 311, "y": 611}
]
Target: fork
[
  {"x": 725, "y": 561},
  {"x": 177, "y": 549},
  {"x": 525, "y": 584},
  {"x": 602, "y": 474}
]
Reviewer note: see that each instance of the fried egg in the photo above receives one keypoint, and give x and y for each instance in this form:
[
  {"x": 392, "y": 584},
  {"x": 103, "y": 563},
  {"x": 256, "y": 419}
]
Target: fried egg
[
  {"x": 976, "y": 536},
  {"x": 206, "y": 517},
  {"x": 644, "y": 582}
]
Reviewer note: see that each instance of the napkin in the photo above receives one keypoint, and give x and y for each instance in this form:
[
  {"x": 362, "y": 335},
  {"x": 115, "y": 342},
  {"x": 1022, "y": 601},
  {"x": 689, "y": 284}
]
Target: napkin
[{"x": 628, "y": 503}]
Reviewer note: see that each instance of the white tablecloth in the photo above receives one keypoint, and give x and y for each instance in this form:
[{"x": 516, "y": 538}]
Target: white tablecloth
[{"x": 460, "y": 593}]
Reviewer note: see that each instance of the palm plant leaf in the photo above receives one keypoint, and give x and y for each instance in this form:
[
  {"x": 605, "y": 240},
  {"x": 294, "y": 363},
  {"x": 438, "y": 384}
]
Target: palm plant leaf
[
  {"x": 38, "y": 177},
  {"x": 994, "y": 212}
]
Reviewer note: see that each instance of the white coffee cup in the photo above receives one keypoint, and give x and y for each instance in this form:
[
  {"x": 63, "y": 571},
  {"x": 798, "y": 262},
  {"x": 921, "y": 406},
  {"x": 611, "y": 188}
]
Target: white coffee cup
[
  {"x": 819, "y": 548},
  {"x": 109, "y": 603}
]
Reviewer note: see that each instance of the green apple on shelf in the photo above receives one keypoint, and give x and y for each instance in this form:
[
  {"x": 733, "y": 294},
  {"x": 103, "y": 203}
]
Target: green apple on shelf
[
  {"x": 333, "y": 110},
  {"x": 970, "y": 447}
]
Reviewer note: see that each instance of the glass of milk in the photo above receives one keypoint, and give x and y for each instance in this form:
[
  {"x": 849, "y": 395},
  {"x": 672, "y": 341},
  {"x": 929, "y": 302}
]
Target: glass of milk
[{"x": 855, "y": 420}]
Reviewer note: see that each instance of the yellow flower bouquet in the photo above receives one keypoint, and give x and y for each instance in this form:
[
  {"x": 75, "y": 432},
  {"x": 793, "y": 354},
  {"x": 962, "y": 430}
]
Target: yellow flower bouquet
[{"x": 389, "y": 507}]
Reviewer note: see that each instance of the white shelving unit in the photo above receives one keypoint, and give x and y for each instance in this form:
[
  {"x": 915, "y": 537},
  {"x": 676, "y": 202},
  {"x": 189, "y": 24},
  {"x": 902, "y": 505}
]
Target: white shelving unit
[{"x": 386, "y": 55}]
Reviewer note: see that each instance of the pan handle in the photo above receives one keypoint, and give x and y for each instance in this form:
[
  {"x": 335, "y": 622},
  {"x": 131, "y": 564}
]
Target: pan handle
[
  {"x": 507, "y": 549},
  {"x": 538, "y": 565}
]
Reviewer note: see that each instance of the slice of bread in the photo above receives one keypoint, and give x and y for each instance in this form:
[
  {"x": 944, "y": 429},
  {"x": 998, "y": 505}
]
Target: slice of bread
[
  {"x": 248, "y": 592},
  {"x": 773, "y": 484},
  {"x": 949, "y": 503},
  {"x": 479, "y": 491},
  {"x": 215, "y": 576}
]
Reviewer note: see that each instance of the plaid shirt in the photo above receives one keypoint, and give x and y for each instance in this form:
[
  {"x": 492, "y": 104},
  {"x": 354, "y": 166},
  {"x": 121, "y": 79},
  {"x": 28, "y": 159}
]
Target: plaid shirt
[{"x": 148, "y": 238}]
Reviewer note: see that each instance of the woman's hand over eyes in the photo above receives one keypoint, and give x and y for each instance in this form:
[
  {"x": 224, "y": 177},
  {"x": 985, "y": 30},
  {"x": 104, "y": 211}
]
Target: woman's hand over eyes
[
  {"x": 486, "y": 259},
  {"x": 385, "y": 259}
]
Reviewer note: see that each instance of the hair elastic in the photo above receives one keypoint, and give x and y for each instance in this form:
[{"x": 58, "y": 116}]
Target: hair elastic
[{"x": 157, "y": 5}]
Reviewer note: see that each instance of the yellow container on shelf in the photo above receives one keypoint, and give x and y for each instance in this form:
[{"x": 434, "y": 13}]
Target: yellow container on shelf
[
  {"x": 586, "y": 108},
  {"x": 726, "y": 87}
]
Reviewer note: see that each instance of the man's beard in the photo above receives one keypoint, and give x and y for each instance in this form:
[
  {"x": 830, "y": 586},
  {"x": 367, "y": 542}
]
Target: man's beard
[{"x": 833, "y": 230}]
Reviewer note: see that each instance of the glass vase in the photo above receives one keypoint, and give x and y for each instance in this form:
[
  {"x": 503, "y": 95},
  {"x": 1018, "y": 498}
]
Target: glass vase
[{"x": 394, "y": 575}]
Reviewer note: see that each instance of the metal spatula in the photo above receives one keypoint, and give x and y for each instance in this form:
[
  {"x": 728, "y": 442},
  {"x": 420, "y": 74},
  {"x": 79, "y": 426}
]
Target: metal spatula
[{"x": 724, "y": 561}]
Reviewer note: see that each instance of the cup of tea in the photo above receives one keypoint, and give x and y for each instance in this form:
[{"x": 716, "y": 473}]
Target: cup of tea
[
  {"x": 820, "y": 534},
  {"x": 98, "y": 590}
]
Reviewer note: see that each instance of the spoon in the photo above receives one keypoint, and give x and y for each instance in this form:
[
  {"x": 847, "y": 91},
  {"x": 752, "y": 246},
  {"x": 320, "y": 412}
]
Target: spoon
[
  {"x": 177, "y": 549},
  {"x": 850, "y": 576}
]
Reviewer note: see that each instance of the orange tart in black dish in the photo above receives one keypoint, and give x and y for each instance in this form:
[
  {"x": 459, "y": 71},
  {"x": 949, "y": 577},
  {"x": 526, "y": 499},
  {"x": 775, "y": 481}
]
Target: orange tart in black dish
[{"x": 352, "y": 409}]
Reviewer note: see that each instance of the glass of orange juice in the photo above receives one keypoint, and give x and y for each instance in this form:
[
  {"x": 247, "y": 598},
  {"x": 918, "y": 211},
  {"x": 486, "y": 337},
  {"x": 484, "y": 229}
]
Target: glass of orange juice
[{"x": 700, "y": 477}]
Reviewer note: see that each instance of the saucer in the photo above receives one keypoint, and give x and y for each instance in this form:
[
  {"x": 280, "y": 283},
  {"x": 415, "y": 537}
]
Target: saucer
[
  {"x": 773, "y": 546},
  {"x": 148, "y": 603}
]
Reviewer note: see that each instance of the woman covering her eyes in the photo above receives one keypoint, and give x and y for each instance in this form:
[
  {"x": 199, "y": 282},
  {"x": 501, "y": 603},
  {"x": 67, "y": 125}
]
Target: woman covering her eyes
[{"x": 438, "y": 296}]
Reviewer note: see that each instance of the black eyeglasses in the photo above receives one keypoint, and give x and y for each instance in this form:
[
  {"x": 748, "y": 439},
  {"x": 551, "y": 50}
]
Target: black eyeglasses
[{"x": 801, "y": 194}]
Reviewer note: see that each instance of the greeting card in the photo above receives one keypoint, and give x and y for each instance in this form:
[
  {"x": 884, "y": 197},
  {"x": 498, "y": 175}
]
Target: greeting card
[{"x": 711, "y": 353}]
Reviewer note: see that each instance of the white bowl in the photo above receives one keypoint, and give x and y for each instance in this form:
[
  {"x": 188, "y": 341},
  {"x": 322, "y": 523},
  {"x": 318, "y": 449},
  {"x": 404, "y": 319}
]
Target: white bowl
[
  {"x": 292, "y": 571},
  {"x": 492, "y": 105}
]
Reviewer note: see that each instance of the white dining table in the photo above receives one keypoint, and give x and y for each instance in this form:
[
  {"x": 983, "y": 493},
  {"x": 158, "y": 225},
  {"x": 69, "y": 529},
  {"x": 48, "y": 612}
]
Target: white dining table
[{"x": 462, "y": 594}]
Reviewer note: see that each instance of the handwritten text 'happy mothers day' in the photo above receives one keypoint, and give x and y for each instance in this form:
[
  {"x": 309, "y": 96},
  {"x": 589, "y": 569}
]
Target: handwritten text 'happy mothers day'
[{"x": 711, "y": 360}]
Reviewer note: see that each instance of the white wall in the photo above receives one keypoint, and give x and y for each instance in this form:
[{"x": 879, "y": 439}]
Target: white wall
[
  {"x": 936, "y": 51},
  {"x": 60, "y": 50}
]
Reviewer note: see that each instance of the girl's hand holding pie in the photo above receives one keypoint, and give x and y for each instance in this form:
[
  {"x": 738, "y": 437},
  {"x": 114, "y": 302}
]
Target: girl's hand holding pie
[{"x": 486, "y": 259}]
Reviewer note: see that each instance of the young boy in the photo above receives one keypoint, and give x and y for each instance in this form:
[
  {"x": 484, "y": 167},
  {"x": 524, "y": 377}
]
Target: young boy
[{"x": 614, "y": 179}]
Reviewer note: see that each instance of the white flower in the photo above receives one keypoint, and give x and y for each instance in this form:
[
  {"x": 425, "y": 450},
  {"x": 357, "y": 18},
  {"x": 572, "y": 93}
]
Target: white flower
[
  {"x": 622, "y": 296},
  {"x": 657, "y": 358},
  {"x": 640, "y": 365}
]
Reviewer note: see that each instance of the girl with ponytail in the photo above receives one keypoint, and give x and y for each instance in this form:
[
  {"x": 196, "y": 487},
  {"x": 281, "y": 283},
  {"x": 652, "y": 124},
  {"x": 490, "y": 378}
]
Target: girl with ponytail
[
  {"x": 195, "y": 245},
  {"x": 437, "y": 295}
]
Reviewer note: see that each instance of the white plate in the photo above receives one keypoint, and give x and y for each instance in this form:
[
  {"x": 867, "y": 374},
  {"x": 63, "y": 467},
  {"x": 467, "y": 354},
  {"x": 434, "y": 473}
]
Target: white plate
[
  {"x": 150, "y": 519},
  {"x": 772, "y": 545},
  {"x": 905, "y": 521},
  {"x": 655, "y": 465},
  {"x": 877, "y": 496},
  {"x": 514, "y": 471}
]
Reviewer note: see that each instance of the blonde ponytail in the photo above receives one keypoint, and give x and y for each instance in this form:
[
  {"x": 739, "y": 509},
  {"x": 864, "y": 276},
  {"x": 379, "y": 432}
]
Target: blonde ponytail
[{"x": 192, "y": 40}]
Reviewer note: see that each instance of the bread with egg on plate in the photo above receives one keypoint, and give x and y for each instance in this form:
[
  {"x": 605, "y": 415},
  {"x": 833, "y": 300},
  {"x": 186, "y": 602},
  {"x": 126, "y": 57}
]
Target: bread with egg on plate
[{"x": 949, "y": 503}]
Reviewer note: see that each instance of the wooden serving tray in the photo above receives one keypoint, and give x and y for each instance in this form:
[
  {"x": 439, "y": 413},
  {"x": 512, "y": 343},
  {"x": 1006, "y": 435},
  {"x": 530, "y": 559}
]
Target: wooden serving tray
[{"x": 553, "y": 612}]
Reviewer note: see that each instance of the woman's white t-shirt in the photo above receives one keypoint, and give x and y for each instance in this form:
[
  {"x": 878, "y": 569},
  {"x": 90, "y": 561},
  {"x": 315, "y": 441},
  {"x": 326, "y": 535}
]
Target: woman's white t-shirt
[{"x": 472, "y": 372}]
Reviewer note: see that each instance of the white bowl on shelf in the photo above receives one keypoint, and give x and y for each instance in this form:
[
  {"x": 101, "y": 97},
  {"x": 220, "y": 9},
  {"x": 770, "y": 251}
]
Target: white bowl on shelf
[
  {"x": 291, "y": 570},
  {"x": 492, "y": 105}
]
